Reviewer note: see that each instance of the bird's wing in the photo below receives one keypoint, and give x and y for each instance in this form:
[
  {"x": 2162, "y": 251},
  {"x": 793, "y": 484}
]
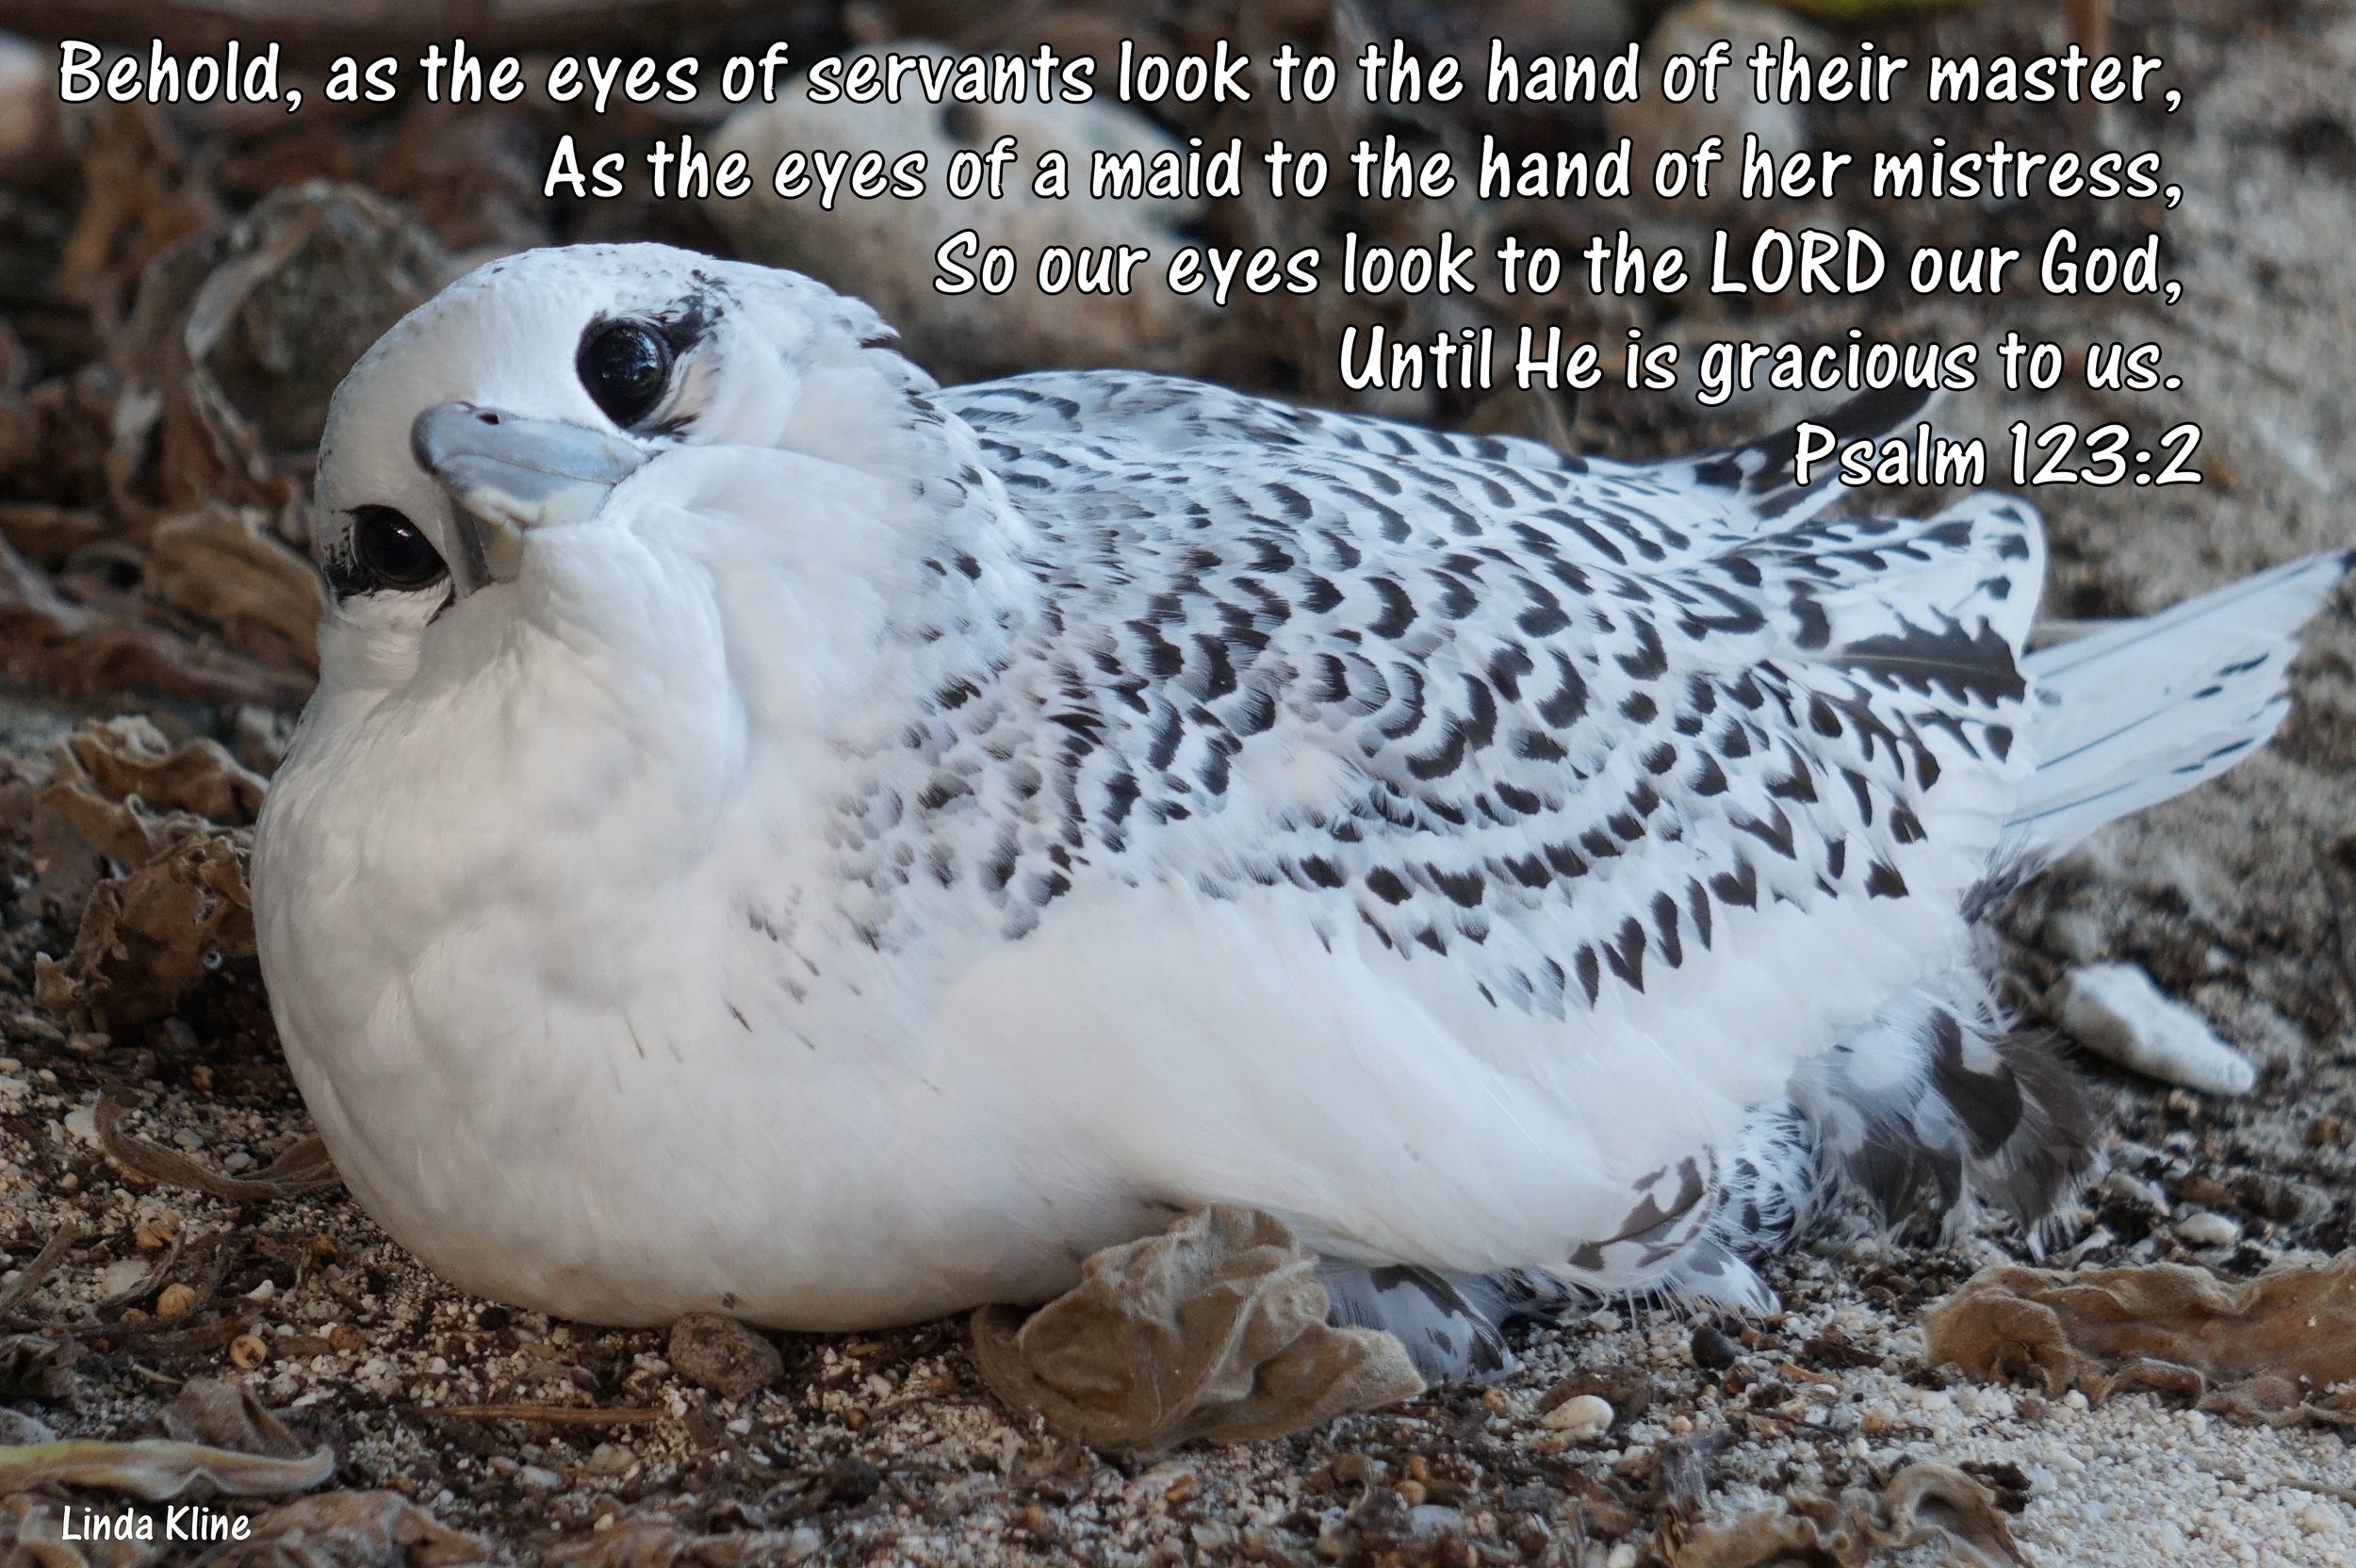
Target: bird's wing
[{"x": 1566, "y": 722}]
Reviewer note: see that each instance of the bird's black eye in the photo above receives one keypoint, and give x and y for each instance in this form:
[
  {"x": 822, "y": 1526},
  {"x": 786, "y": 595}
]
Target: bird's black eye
[
  {"x": 625, "y": 365},
  {"x": 395, "y": 550}
]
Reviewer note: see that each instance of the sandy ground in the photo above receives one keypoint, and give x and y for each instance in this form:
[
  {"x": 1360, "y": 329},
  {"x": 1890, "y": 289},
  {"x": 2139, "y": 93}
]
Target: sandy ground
[{"x": 887, "y": 1449}]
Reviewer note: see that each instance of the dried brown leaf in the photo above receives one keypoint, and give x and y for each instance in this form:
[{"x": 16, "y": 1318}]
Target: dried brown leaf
[
  {"x": 1215, "y": 1329},
  {"x": 157, "y": 1468},
  {"x": 240, "y": 334},
  {"x": 351, "y": 1529},
  {"x": 32, "y": 1535},
  {"x": 1921, "y": 1504},
  {"x": 48, "y": 534},
  {"x": 115, "y": 759},
  {"x": 33, "y": 1366},
  {"x": 184, "y": 905},
  {"x": 222, "y": 565},
  {"x": 2265, "y": 1348},
  {"x": 54, "y": 440},
  {"x": 101, "y": 649},
  {"x": 145, "y": 938},
  {"x": 226, "y": 1414},
  {"x": 303, "y": 1168},
  {"x": 139, "y": 196}
]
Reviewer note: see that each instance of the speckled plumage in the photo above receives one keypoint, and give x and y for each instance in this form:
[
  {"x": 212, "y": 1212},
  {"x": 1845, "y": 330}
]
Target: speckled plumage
[{"x": 909, "y": 837}]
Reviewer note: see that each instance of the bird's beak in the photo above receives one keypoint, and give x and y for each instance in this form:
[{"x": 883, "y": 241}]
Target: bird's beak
[{"x": 506, "y": 475}]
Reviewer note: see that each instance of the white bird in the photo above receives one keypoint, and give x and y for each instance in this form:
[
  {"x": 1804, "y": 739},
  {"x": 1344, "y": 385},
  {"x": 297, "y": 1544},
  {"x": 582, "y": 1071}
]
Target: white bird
[{"x": 776, "y": 836}]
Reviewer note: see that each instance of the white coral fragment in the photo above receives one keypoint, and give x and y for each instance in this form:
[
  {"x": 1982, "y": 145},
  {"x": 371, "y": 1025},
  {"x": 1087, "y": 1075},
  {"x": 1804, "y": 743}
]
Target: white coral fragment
[{"x": 2117, "y": 1012}]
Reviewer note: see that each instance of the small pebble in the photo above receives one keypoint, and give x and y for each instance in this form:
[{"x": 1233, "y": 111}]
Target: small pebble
[
  {"x": 1712, "y": 1349},
  {"x": 1582, "y": 1416},
  {"x": 2205, "y": 1229},
  {"x": 2133, "y": 1191},
  {"x": 609, "y": 1458},
  {"x": 122, "y": 1276},
  {"x": 722, "y": 1355},
  {"x": 538, "y": 1478},
  {"x": 18, "y": 1427},
  {"x": 2316, "y": 1519}
]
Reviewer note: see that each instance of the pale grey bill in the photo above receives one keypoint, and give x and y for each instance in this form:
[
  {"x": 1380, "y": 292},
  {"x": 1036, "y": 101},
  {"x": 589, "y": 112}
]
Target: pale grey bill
[{"x": 506, "y": 474}]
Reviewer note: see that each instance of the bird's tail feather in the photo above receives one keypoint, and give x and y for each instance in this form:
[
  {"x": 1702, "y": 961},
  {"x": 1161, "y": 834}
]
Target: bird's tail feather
[{"x": 2141, "y": 710}]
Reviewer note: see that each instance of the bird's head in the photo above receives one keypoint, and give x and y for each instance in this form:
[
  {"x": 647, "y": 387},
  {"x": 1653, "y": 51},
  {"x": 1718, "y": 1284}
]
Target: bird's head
[{"x": 516, "y": 401}]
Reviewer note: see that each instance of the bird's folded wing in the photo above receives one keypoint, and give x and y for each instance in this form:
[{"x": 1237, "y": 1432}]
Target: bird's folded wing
[{"x": 1564, "y": 723}]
